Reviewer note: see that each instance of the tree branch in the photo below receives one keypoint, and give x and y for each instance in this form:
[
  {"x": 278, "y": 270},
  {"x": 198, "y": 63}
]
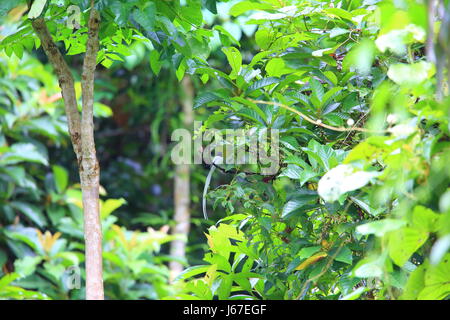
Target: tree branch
[
  {"x": 87, "y": 87},
  {"x": 316, "y": 122},
  {"x": 65, "y": 80}
]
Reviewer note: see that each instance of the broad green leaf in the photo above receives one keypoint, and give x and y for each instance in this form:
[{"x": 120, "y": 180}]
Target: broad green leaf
[
  {"x": 437, "y": 281},
  {"x": 146, "y": 17},
  {"x": 404, "y": 242},
  {"x": 36, "y": 8},
  {"x": 338, "y": 12},
  {"x": 425, "y": 219},
  {"x": 245, "y": 6},
  {"x": 192, "y": 271},
  {"x": 379, "y": 228},
  {"x": 410, "y": 74},
  {"x": 19, "y": 152},
  {"x": 33, "y": 212},
  {"x": 345, "y": 255},
  {"x": 205, "y": 98},
  {"x": 370, "y": 267},
  {"x": 263, "y": 38},
  {"x": 290, "y": 143},
  {"x": 234, "y": 59},
  {"x": 276, "y": 68},
  {"x": 341, "y": 180},
  {"x": 292, "y": 206},
  {"x": 292, "y": 172},
  {"x": 415, "y": 284},
  {"x": 317, "y": 88},
  {"x": 192, "y": 12},
  {"x": 61, "y": 178},
  {"x": 308, "y": 251},
  {"x": 262, "y": 83},
  {"x": 26, "y": 266},
  {"x": 108, "y": 206},
  {"x": 361, "y": 57},
  {"x": 7, "y": 279},
  {"x": 335, "y": 32},
  {"x": 364, "y": 204},
  {"x": 252, "y": 106}
]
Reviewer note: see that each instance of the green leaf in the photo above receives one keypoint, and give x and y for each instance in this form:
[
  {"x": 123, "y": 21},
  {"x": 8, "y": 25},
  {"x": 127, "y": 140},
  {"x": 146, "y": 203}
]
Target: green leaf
[
  {"x": 370, "y": 267},
  {"x": 263, "y": 38},
  {"x": 252, "y": 106},
  {"x": 155, "y": 63},
  {"x": 342, "y": 179},
  {"x": 307, "y": 252},
  {"x": 27, "y": 266},
  {"x": 437, "y": 281},
  {"x": 361, "y": 57},
  {"x": 205, "y": 98},
  {"x": 291, "y": 206},
  {"x": 108, "y": 206},
  {"x": 379, "y": 228},
  {"x": 36, "y": 9},
  {"x": 262, "y": 83},
  {"x": 192, "y": 12},
  {"x": 44, "y": 126},
  {"x": 317, "y": 88},
  {"x": 245, "y": 6},
  {"x": 211, "y": 6},
  {"x": 7, "y": 279},
  {"x": 61, "y": 178},
  {"x": 234, "y": 59},
  {"x": 18, "y": 50},
  {"x": 299, "y": 202},
  {"x": 192, "y": 271},
  {"x": 345, "y": 255},
  {"x": 146, "y": 17},
  {"x": 404, "y": 242},
  {"x": 425, "y": 219},
  {"x": 338, "y": 12},
  {"x": 410, "y": 74},
  {"x": 121, "y": 11},
  {"x": 19, "y": 152},
  {"x": 276, "y": 67},
  {"x": 292, "y": 172},
  {"x": 31, "y": 211},
  {"x": 366, "y": 207},
  {"x": 290, "y": 143},
  {"x": 415, "y": 284},
  {"x": 335, "y": 32}
]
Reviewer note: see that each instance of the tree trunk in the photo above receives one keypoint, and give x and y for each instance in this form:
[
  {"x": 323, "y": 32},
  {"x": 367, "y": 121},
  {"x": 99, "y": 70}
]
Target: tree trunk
[
  {"x": 429, "y": 45},
  {"x": 82, "y": 137},
  {"x": 89, "y": 168},
  {"x": 182, "y": 215}
]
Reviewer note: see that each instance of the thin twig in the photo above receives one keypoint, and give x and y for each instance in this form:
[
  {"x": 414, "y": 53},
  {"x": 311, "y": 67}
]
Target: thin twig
[{"x": 316, "y": 122}]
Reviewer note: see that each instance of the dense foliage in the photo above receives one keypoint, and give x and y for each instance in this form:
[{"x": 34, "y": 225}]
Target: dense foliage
[{"x": 359, "y": 207}]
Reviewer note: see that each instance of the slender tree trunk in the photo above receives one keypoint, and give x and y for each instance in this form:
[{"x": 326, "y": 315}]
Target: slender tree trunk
[
  {"x": 429, "y": 46},
  {"x": 182, "y": 215},
  {"x": 82, "y": 137},
  {"x": 89, "y": 168},
  {"x": 443, "y": 52}
]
